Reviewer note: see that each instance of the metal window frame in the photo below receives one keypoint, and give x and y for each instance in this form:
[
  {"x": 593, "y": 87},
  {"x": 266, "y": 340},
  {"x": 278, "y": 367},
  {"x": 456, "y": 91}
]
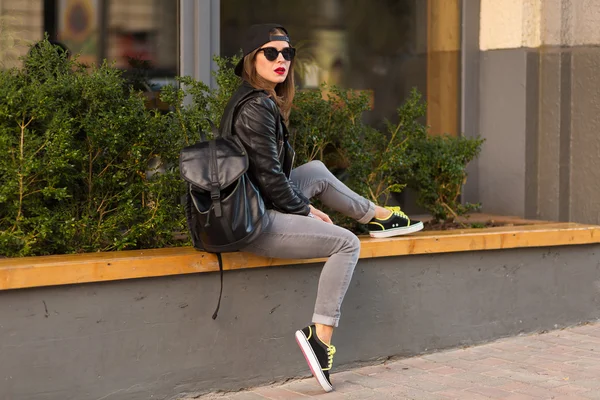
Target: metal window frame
[
  {"x": 469, "y": 88},
  {"x": 199, "y": 39}
]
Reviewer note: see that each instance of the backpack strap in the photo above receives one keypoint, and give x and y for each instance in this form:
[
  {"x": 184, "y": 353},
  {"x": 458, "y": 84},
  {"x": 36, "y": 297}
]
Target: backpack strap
[
  {"x": 213, "y": 170},
  {"x": 214, "y": 316},
  {"x": 213, "y": 128}
]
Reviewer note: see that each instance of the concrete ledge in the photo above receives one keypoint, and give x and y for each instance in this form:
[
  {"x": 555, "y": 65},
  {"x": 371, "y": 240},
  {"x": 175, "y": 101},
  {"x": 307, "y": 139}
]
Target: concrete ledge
[{"x": 29, "y": 272}]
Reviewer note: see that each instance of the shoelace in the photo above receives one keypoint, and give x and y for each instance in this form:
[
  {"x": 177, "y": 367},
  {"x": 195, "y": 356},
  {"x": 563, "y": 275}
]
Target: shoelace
[
  {"x": 397, "y": 211},
  {"x": 330, "y": 353}
]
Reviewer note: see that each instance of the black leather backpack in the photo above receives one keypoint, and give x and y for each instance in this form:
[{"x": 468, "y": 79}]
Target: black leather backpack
[{"x": 224, "y": 209}]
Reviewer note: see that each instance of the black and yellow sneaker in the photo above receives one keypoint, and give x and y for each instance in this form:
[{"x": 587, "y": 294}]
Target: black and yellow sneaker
[
  {"x": 319, "y": 355},
  {"x": 396, "y": 224}
]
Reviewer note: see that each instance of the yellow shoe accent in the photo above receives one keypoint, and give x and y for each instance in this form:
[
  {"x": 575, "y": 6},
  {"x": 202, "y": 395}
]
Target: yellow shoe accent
[
  {"x": 397, "y": 211},
  {"x": 377, "y": 223},
  {"x": 330, "y": 352}
]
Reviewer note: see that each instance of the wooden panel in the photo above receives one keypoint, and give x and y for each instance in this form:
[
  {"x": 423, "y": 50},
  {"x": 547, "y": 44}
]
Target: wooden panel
[
  {"x": 443, "y": 66},
  {"x": 98, "y": 267}
]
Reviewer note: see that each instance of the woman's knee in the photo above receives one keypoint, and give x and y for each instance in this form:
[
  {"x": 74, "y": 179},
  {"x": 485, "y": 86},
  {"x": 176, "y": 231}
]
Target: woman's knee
[
  {"x": 352, "y": 243},
  {"x": 317, "y": 165}
]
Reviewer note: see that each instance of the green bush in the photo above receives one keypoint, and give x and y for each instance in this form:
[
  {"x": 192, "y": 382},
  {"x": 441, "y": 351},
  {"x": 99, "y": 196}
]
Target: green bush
[
  {"x": 330, "y": 128},
  {"x": 437, "y": 164},
  {"x": 78, "y": 146},
  {"x": 193, "y": 102},
  {"x": 327, "y": 125}
]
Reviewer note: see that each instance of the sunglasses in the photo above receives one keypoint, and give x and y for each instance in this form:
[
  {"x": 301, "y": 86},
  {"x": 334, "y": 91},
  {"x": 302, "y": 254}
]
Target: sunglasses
[{"x": 271, "y": 53}]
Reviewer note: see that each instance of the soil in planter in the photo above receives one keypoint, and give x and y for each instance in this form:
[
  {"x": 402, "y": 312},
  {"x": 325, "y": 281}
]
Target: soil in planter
[{"x": 446, "y": 226}]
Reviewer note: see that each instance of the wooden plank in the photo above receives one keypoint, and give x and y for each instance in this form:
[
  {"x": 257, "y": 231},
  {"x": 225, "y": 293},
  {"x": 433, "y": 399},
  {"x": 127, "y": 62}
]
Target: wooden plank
[
  {"x": 443, "y": 66},
  {"x": 28, "y": 272}
]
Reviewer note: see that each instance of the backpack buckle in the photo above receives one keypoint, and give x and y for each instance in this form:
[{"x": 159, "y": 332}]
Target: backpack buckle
[{"x": 215, "y": 195}]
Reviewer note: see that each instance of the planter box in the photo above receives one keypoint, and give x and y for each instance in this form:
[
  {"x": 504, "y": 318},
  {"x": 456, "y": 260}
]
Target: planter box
[{"x": 79, "y": 327}]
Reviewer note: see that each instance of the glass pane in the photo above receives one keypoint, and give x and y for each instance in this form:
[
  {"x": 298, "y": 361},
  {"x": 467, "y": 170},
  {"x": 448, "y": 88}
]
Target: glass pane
[
  {"x": 143, "y": 30},
  {"x": 78, "y": 27},
  {"x": 139, "y": 36},
  {"x": 380, "y": 46}
]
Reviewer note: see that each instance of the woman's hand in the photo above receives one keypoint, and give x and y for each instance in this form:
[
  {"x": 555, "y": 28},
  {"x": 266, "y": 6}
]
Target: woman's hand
[{"x": 318, "y": 214}]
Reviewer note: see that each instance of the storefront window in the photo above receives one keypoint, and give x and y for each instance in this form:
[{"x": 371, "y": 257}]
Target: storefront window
[
  {"x": 138, "y": 36},
  {"x": 386, "y": 47}
]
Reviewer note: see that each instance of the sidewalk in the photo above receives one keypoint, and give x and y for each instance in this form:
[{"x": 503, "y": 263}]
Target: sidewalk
[{"x": 561, "y": 364}]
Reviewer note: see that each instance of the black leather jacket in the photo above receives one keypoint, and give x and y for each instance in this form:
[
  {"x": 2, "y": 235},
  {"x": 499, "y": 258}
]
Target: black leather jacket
[{"x": 260, "y": 127}]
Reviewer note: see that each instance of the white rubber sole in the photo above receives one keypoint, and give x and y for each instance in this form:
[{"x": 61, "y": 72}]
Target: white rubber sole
[
  {"x": 312, "y": 361},
  {"x": 397, "y": 231}
]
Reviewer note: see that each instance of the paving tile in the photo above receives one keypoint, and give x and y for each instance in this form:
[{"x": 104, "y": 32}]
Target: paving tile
[
  {"x": 538, "y": 344},
  {"x": 587, "y": 383},
  {"x": 583, "y": 362},
  {"x": 461, "y": 395},
  {"x": 347, "y": 387},
  {"x": 473, "y": 366},
  {"x": 404, "y": 392},
  {"x": 395, "y": 377},
  {"x": 446, "y": 370},
  {"x": 279, "y": 393},
  {"x": 447, "y": 381},
  {"x": 490, "y": 392},
  {"x": 519, "y": 396},
  {"x": 493, "y": 361},
  {"x": 535, "y": 391},
  {"x": 246, "y": 396},
  {"x": 569, "y": 389},
  {"x": 584, "y": 353},
  {"x": 424, "y": 385},
  {"x": 454, "y": 394},
  {"x": 472, "y": 355},
  {"x": 592, "y": 394},
  {"x": 372, "y": 369},
  {"x": 307, "y": 387},
  {"x": 422, "y": 363},
  {"x": 366, "y": 381},
  {"x": 489, "y": 378}
]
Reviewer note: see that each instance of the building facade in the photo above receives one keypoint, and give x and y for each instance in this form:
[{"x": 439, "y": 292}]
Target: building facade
[{"x": 536, "y": 92}]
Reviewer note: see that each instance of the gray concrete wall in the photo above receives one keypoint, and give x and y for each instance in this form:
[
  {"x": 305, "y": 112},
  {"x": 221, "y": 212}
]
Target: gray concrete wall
[
  {"x": 502, "y": 122},
  {"x": 154, "y": 338},
  {"x": 539, "y": 115},
  {"x": 584, "y": 205}
]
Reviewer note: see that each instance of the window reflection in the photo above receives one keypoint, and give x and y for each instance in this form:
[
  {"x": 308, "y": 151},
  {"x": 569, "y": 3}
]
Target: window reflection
[
  {"x": 138, "y": 36},
  {"x": 380, "y": 46}
]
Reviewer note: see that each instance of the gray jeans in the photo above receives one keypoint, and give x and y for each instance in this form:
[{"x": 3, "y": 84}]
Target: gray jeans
[{"x": 297, "y": 236}]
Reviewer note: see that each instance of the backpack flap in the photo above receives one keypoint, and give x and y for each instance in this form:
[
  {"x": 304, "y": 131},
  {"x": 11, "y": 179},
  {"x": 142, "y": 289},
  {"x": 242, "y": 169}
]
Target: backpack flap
[{"x": 208, "y": 168}]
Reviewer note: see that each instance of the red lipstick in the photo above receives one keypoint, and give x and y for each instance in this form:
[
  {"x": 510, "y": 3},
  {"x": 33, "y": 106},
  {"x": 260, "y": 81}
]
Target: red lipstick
[{"x": 280, "y": 71}]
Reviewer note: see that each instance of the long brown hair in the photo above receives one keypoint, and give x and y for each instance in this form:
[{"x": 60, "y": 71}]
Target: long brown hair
[{"x": 284, "y": 92}]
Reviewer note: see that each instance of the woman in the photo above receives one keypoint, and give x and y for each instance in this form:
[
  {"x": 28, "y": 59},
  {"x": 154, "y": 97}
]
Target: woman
[{"x": 297, "y": 229}]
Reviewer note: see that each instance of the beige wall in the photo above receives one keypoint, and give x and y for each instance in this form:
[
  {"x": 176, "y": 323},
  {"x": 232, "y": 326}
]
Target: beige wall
[
  {"x": 509, "y": 24},
  {"x": 21, "y": 24}
]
